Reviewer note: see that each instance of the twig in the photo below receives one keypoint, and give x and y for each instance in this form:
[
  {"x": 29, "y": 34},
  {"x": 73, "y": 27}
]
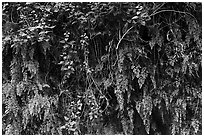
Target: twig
[
  {"x": 100, "y": 92},
  {"x": 96, "y": 85},
  {"x": 157, "y": 8},
  {"x": 182, "y": 12},
  {"x": 123, "y": 37},
  {"x": 120, "y": 42}
]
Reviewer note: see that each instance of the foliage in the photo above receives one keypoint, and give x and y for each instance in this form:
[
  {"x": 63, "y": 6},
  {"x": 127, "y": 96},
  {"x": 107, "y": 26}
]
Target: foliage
[{"x": 101, "y": 68}]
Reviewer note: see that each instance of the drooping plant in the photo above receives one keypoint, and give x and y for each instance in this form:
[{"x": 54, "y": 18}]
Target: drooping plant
[{"x": 101, "y": 68}]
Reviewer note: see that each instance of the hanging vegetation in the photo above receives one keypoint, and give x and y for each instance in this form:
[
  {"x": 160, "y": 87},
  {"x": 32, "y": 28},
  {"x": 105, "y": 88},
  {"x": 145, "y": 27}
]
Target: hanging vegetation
[{"x": 101, "y": 68}]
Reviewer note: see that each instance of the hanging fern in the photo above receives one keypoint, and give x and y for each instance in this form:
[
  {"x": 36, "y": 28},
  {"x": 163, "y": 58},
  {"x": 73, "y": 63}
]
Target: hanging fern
[{"x": 101, "y": 68}]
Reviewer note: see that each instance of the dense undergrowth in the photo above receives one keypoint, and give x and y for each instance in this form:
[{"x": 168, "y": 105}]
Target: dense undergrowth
[{"x": 101, "y": 68}]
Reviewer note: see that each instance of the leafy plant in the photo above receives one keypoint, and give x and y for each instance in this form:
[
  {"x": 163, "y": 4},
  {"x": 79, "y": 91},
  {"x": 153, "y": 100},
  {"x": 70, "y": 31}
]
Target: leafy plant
[{"x": 101, "y": 68}]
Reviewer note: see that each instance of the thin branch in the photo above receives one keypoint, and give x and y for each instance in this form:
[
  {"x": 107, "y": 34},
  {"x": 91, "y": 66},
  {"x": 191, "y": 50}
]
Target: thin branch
[
  {"x": 120, "y": 42},
  {"x": 182, "y": 12},
  {"x": 123, "y": 37},
  {"x": 159, "y": 7}
]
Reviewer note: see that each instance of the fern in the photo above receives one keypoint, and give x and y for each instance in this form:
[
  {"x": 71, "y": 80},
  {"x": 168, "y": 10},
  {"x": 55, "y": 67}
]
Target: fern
[
  {"x": 144, "y": 108},
  {"x": 89, "y": 68}
]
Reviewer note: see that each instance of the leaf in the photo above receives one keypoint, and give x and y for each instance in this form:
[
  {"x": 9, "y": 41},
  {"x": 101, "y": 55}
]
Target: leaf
[
  {"x": 140, "y": 8},
  {"x": 144, "y": 108},
  {"x": 145, "y": 15},
  {"x": 141, "y": 81},
  {"x": 135, "y": 17},
  {"x": 159, "y": 40},
  {"x": 40, "y": 86},
  {"x": 7, "y": 89},
  {"x": 49, "y": 27},
  {"x": 195, "y": 125},
  {"x": 34, "y": 28},
  {"x": 153, "y": 81},
  {"x": 152, "y": 43},
  {"x": 136, "y": 70},
  {"x": 15, "y": 45},
  {"x": 66, "y": 118},
  {"x": 107, "y": 83},
  {"x": 143, "y": 23},
  {"x": 142, "y": 77},
  {"x": 62, "y": 41},
  {"x": 46, "y": 85},
  {"x": 104, "y": 58},
  {"x": 61, "y": 62},
  {"x": 124, "y": 30},
  {"x": 120, "y": 99},
  {"x": 32, "y": 67},
  {"x": 72, "y": 123},
  {"x": 19, "y": 88}
]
